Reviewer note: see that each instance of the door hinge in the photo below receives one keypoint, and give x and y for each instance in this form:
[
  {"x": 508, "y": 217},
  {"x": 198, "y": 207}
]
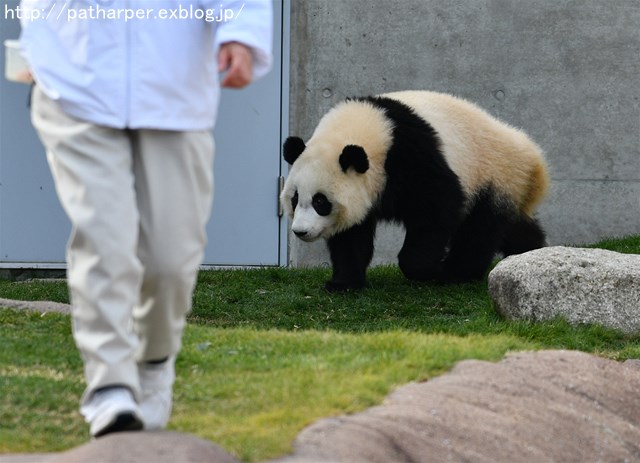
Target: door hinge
[{"x": 280, "y": 188}]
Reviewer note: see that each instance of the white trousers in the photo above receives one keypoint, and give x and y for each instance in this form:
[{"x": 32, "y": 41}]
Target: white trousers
[{"x": 138, "y": 201}]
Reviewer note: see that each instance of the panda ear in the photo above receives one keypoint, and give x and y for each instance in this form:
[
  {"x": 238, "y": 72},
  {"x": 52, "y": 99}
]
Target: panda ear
[
  {"x": 354, "y": 156},
  {"x": 292, "y": 148}
]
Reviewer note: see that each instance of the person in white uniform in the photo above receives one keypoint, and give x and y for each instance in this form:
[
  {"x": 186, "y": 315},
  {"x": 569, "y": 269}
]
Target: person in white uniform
[{"x": 125, "y": 99}]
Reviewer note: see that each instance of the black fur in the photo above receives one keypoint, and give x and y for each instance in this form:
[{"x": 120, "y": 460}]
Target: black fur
[
  {"x": 478, "y": 237},
  {"x": 354, "y": 156},
  {"x": 523, "y": 234},
  {"x": 351, "y": 252},
  {"x": 443, "y": 242},
  {"x": 292, "y": 149},
  {"x": 321, "y": 204}
]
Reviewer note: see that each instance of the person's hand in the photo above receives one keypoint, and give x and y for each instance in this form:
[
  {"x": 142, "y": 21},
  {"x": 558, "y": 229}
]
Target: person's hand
[{"x": 237, "y": 60}]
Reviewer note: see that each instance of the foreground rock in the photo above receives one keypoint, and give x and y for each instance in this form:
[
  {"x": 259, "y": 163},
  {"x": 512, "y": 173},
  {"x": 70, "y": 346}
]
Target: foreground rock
[
  {"x": 548, "y": 406},
  {"x": 580, "y": 285},
  {"x": 136, "y": 447}
]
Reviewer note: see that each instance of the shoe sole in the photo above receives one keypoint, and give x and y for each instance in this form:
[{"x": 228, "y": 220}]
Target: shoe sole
[{"x": 123, "y": 422}]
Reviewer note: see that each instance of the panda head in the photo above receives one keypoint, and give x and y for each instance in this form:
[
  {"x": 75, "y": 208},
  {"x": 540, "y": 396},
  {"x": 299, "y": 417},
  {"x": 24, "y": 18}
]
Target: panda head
[{"x": 336, "y": 178}]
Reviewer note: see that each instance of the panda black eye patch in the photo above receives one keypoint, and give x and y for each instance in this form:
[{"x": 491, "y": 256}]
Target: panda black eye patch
[
  {"x": 321, "y": 204},
  {"x": 294, "y": 200}
]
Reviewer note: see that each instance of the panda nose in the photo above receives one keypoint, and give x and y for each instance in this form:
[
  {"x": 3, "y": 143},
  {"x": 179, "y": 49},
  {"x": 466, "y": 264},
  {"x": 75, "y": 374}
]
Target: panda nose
[{"x": 300, "y": 234}]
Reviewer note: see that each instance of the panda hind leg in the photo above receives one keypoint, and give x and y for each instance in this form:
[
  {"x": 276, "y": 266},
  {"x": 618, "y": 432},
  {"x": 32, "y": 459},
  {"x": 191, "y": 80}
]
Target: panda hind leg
[
  {"x": 477, "y": 241},
  {"x": 470, "y": 255},
  {"x": 420, "y": 258},
  {"x": 524, "y": 234}
]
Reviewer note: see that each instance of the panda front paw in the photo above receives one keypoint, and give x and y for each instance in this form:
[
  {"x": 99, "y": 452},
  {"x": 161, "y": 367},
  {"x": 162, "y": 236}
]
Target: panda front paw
[{"x": 342, "y": 287}]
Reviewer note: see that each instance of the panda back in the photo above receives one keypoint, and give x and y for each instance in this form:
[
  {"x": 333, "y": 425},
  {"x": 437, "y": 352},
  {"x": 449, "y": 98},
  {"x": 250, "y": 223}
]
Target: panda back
[{"x": 480, "y": 149}]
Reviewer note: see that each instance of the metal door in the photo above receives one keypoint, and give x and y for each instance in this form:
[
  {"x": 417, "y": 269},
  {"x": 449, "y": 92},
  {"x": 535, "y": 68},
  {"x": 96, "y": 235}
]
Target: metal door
[{"x": 245, "y": 228}]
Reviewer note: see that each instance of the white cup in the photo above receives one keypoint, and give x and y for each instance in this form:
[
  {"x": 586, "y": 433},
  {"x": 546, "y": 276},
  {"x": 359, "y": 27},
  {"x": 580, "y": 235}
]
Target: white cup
[{"x": 16, "y": 68}]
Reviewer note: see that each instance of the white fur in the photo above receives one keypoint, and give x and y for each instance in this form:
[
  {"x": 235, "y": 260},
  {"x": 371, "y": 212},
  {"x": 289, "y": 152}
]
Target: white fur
[{"x": 310, "y": 226}]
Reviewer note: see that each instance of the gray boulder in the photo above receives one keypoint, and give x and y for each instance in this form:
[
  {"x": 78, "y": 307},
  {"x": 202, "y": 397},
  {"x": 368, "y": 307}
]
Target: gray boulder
[
  {"x": 36, "y": 306},
  {"x": 580, "y": 285}
]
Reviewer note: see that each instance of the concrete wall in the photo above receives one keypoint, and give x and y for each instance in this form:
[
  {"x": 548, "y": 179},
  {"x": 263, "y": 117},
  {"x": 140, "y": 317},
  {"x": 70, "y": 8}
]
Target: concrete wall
[{"x": 565, "y": 71}]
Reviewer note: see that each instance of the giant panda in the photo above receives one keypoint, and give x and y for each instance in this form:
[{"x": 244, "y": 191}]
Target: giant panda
[{"x": 464, "y": 185}]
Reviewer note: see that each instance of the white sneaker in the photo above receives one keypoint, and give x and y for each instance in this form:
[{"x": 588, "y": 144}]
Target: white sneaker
[
  {"x": 112, "y": 409},
  {"x": 156, "y": 382}
]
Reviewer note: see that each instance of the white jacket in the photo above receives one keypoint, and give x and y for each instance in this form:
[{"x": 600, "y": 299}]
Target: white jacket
[{"x": 140, "y": 63}]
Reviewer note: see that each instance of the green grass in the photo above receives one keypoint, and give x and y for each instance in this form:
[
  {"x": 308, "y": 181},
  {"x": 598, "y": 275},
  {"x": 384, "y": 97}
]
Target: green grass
[{"x": 267, "y": 352}]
